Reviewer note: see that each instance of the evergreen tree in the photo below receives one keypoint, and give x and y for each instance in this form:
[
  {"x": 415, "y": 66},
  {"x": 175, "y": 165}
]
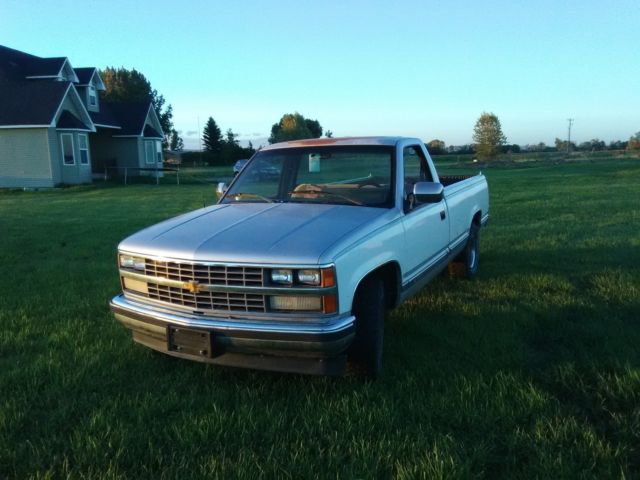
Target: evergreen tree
[
  {"x": 231, "y": 138},
  {"x": 212, "y": 137}
]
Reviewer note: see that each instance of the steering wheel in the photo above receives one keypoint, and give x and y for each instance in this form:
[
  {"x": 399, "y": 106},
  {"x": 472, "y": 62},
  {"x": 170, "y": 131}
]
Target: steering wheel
[{"x": 369, "y": 183}]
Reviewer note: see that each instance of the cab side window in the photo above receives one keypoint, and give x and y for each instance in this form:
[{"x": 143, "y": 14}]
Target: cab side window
[{"x": 415, "y": 170}]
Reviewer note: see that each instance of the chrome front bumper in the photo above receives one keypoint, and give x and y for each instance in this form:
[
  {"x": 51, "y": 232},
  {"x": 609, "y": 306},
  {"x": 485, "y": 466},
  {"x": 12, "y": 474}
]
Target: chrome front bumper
[{"x": 305, "y": 346}]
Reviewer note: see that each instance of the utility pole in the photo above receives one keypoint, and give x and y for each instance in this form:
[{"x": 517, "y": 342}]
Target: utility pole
[
  {"x": 199, "y": 140},
  {"x": 570, "y": 120}
]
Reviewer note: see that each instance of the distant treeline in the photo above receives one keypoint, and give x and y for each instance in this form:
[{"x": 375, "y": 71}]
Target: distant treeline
[{"x": 437, "y": 147}]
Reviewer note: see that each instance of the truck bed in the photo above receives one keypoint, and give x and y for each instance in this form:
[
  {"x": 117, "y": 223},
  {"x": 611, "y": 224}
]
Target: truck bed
[{"x": 447, "y": 180}]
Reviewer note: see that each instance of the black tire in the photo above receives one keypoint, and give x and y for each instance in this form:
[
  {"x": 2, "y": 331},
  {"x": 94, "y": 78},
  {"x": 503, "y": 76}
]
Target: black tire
[
  {"x": 368, "y": 307},
  {"x": 465, "y": 265}
]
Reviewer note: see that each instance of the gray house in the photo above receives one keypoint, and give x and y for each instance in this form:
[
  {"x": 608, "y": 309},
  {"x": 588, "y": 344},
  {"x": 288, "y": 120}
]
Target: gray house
[{"x": 55, "y": 130}]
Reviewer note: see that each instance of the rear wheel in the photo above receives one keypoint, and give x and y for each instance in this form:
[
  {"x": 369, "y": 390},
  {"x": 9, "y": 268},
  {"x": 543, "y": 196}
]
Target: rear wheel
[
  {"x": 368, "y": 307},
  {"x": 465, "y": 265}
]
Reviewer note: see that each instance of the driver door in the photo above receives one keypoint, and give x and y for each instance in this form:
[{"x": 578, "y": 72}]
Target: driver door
[{"x": 426, "y": 226}]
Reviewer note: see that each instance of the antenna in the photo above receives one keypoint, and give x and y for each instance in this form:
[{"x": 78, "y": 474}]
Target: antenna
[{"x": 570, "y": 120}]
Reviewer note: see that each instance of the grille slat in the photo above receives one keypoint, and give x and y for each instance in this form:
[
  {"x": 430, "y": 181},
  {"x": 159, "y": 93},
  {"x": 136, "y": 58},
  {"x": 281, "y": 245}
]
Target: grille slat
[{"x": 211, "y": 275}]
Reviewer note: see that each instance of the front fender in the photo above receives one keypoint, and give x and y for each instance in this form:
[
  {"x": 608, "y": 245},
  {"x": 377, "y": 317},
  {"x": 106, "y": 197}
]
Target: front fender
[{"x": 363, "y": 257}]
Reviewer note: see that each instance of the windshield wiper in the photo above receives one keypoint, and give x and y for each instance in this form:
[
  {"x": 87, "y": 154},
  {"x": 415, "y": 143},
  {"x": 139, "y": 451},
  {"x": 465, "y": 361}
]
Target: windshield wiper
[
  {"x": 326, "y": 192},
  {"x": 245, "y": 194}
]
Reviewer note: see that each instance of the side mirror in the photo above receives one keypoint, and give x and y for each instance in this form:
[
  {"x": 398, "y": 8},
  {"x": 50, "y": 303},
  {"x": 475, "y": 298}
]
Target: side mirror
[
  {"x": 428, "y": 192},
  {"x": 222, "y": 187}
]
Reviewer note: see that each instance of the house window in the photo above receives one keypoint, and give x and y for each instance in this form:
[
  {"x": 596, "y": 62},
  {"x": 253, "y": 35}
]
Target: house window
[
  {"x": 84, "y": 148},
  {"x": 93, "y": 101},
  {"x": 150, "y": 151},
  {"x": 68, "y": 155},
  {"x": 159, "y": 152}
]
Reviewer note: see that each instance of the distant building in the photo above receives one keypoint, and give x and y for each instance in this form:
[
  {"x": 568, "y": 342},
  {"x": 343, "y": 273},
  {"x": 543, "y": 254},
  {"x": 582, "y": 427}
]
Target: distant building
[{"x": 55, "y": 130}]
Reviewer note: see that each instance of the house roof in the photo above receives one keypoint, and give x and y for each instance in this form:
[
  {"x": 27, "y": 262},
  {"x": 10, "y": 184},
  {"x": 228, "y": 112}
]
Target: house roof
[
  {"x": 26, "y": 100},
  {"x": 68, "y": 120},
  {"x": 84, "y": 74},
  {"x": 19, "y": 65},
  {"x": 44, "y": 66},
  {"x": 105, "y": 117},
  {"x": 30, "y": 103},
  {"x": 130, "y": 116}
]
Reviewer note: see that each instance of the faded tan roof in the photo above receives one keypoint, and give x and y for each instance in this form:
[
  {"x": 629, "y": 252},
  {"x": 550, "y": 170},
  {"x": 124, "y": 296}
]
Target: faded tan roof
[{"x": 322, "y": 142}]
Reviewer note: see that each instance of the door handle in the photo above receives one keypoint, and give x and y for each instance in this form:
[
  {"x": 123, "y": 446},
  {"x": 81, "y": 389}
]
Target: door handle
[{"x": 443, "y": 215}]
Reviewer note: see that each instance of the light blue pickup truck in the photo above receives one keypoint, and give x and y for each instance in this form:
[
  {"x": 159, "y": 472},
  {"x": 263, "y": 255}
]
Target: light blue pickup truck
[{"x": 294, "y": 267}]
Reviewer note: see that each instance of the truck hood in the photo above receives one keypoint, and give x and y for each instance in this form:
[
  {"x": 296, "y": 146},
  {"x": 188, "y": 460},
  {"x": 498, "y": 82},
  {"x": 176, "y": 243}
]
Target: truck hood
[{"x": 268, "y": 233}]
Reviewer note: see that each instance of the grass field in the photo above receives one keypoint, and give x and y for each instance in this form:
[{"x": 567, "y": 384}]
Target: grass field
[{"x": 532, "y": 370}]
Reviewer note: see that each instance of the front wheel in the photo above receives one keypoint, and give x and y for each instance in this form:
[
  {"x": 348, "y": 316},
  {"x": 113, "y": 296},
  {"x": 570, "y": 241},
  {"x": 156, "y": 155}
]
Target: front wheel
[{"x": 368, "y": 308}]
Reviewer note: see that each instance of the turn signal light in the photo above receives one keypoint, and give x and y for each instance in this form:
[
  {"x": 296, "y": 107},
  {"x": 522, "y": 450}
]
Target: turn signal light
[
  {"x": 328, "y": 277},
  {"x": 329, "y": 304}
]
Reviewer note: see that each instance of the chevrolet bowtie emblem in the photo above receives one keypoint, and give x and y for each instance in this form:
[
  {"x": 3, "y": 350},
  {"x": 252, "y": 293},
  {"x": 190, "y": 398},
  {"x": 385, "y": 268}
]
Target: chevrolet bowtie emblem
[{"x": 192, "y": 286}]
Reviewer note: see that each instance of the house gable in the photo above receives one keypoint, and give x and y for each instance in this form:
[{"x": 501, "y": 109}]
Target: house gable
[
  {"x": 88, "y": 87},
  {"x": 134, "y": 117},
  {"x": 152, "y": 121},
  {"x": 72, "y": 103}
]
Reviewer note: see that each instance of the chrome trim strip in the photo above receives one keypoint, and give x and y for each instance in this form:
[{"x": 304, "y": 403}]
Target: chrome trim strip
[
  {"x": 427, "y": 265},
  {"x": 333, "y": 325},
  {"x": 223, "y": 264},
  {"x": 485, "y": 218},
  {"x": 231, "y": 288},
  {"x": 458, "y": 241}
]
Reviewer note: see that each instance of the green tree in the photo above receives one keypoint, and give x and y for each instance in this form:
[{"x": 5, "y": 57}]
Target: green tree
[
  {"x": 561, "y": 145},
  {"x": 175, "y": 142},
  {"x": 293, "y": 126},
  {"x": 123, "y": 85},
  {"x": 618, "y": 145},
  {"x": 592, "y": 145},
  {"x": 329, "y": 134},
  {"x": 212, "y": 137},
  {"x": 436, "y": 147},
  {"x": 231, "y": 149},
  {"x": 314, "y": 127},
  {"x": 634, "y": 142},
  {"x": 231, "y": 138},
  {"x": 488, "y": 136}
]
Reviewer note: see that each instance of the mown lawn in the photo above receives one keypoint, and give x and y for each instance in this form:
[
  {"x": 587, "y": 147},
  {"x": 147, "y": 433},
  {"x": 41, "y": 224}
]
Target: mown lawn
[{"x": 532, "y": 370}]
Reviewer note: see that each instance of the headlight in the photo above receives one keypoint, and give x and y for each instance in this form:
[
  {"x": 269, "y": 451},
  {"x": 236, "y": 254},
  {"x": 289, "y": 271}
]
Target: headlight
[
  {"x": 136, "y": 263},
  {"x": 282, "y": 276},
  {"x": 309, "y": 277},
  {"x": 324, "y": 277}
]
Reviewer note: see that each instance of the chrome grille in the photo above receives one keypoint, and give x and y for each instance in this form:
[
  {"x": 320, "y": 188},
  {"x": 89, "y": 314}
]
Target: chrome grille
[{"x": 208, "y": 275}]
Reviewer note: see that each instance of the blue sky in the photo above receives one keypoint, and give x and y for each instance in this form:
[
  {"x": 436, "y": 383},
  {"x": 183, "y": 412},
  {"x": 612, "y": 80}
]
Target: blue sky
[{"x": 414, "y": 68}]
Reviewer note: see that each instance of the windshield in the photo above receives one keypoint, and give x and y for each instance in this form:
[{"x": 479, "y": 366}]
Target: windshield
[{"x": 346, "y": 175}]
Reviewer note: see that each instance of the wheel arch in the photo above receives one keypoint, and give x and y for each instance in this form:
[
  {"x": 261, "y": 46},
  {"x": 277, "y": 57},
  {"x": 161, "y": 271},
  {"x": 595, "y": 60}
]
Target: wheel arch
[
  {"x": 477, "y": 218},
  {"x": 391, "y": 277}
]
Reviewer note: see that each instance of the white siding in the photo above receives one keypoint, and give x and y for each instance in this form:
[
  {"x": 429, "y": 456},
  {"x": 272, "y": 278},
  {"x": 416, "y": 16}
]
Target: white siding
[{"x": 24, "y": 158}]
